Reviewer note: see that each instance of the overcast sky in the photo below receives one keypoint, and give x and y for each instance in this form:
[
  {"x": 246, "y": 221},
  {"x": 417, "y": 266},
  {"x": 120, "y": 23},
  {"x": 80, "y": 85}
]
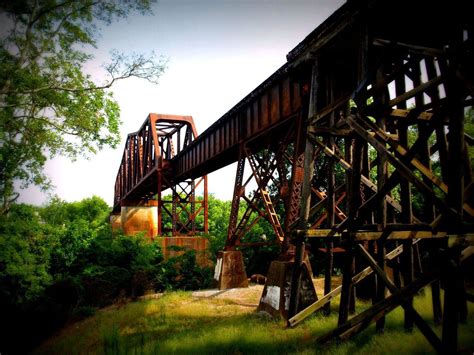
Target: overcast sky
[{"x": 218, "y": 50}]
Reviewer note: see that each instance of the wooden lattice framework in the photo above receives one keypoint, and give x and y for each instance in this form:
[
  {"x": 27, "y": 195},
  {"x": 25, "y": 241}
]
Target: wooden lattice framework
[{"x": 389, "y": 111}]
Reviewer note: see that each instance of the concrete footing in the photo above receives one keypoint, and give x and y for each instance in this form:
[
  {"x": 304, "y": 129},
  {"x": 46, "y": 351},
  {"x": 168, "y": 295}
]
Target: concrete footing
[
  {"x": 275, "y": 298},
  {"x": 230, "y": 270},
  {"x": 140, "y": 219},
  {"x": 135, "y": 219}
]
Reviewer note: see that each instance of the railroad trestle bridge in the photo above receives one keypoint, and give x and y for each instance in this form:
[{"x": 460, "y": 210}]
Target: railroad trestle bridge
[{"x": 360, "y": 139}]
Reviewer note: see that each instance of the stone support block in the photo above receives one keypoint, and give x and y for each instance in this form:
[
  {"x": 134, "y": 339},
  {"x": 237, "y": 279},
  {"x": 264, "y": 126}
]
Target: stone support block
[{"x": 230, "y": 270}]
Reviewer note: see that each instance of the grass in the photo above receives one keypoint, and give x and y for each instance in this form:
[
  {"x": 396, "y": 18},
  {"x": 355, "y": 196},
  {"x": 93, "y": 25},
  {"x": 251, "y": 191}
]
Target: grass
[{"x": 177, "y": 323}]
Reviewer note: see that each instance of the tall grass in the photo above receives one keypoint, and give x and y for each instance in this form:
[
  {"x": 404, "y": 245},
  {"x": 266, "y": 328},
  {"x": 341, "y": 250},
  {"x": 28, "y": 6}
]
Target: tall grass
[{"x": 179, "y": 324}]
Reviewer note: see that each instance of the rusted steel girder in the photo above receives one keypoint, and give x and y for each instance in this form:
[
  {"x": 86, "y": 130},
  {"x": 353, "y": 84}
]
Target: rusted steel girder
[
  {"x": 268, "y": 110},
  {"x": 146, "y": 172},
  {"x": 265, "y": 175}
]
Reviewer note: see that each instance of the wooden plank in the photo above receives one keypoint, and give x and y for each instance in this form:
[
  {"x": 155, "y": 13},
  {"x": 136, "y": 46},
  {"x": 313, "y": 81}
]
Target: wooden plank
[
  {"x": 397, "y": 235},
  {"x": 403, "y": 113},
  {"x": 316, "y": 118},
  {"x": 372, "y": 235},
  {"x": 415, "y": 91},
  {"x": 321, "y": 233},
  {"x": 364, "y": 319},
  {"x": 463, "y": 240},
  {"x": 467, "y": 253},
  {"x": 325, "y": 131},
  {"x": 418, "y": 320},
  {"x": 410, "y": 47}
]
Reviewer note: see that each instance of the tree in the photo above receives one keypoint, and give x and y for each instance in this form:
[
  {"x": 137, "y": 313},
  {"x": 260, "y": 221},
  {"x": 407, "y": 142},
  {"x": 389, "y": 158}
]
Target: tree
[{"x": 48, "y": 104}]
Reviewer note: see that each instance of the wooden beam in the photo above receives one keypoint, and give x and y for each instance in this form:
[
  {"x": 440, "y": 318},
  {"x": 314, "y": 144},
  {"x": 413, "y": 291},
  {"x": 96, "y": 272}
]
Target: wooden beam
[
  {"x": 371, "y": 235},
  {"x": 305, "y": 313},
  {"x": 403, "y": 113},
  {"x": 366, "y": 181},
  {"x": 420, "y": 323},
  {"x": 410, "y": 47},
  {"x": 413, "y": 92},
  {"x": 364, "y": 319},
  {"x": 402, "y": 168}
]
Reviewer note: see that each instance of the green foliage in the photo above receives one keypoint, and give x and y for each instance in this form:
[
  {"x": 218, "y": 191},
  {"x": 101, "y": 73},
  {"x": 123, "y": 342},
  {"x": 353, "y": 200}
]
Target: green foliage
[
  {"x": 48, "y": 104},
  {"x": 62, "y": 260},
  {"x": 219, "y": 213},
  {"x": 183, "y": 273},
  {"x": 24, "y": 256}
]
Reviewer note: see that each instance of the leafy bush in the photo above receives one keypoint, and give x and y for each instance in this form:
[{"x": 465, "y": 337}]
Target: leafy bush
[
  {"x": 184, "y": 273},
  {"x": 24, "y": 257}
]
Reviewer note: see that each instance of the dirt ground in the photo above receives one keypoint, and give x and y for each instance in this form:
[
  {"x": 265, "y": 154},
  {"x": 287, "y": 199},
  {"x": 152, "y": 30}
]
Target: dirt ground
[{"x": 251, "y": 296}]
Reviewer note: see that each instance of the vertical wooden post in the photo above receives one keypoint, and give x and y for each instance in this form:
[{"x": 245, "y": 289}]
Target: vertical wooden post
[
  {"x": 405, "y": 199},
  {"x": 451, "y": 299},
  {"x": 374, "y": 287},
  {"x": 347, "y": 273},
  {"x": 353, "y": 205},
  {"x": 381, "y": 213},
  {"x": 424, "y": 154},
  {"x": 456, "y": 147},
  {"x": 442, "y": 149},
  {"x": 455, "y": 183},
  {"x": 330, "y": 204},
  {"x": 380, "y": 324},
  {"x": 408, "y": 276}
]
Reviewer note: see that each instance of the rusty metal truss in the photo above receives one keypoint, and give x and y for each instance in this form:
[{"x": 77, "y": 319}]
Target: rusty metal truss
[
  {"x": 145, "y": 173},
  {"x": 267, "y": 173}
]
